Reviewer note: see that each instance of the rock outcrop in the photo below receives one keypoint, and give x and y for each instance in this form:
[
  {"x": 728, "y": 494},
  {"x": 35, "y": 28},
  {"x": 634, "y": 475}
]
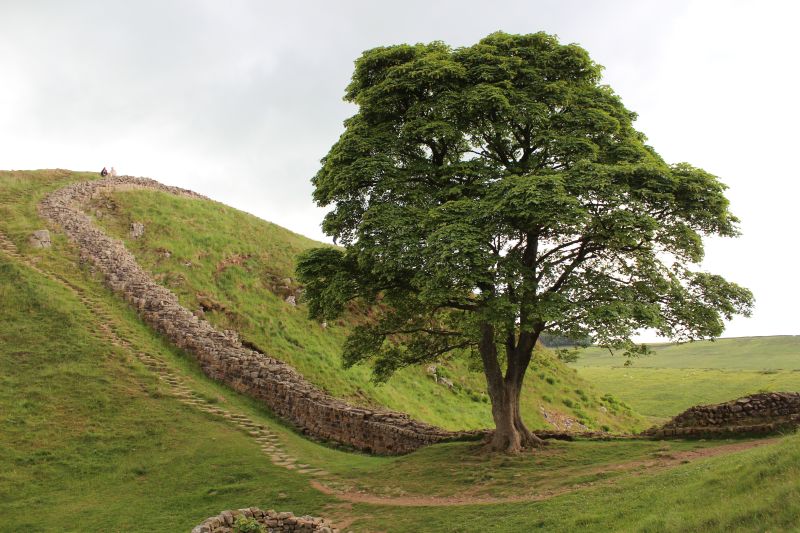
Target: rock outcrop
[
  {"x": 220, "y": 354},
  {"x": 757, "y": 414},
  {"x": 137, "y": 230},
  {"x": 40, "y": 239}
]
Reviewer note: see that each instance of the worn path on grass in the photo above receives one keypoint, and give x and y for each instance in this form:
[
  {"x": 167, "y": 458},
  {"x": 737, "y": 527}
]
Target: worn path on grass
[{"x": 638, "y": 467}]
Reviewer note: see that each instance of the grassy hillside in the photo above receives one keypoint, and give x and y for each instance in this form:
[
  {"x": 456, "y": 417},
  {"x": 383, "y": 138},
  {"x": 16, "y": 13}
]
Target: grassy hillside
[
  {"x": 91, "y": 440},
  {"x": 679, "y": 376},
  {"x": 238, "y": 269}
]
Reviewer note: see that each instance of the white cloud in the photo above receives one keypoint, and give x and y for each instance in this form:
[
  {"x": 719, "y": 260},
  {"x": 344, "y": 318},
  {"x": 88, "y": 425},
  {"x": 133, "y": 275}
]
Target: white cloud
[{"x": 239, "y": 100}]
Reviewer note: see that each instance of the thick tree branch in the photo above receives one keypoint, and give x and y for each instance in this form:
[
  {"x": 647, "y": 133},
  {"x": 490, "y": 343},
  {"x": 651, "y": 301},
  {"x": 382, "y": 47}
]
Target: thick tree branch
[{"x": 568, "y": 270}]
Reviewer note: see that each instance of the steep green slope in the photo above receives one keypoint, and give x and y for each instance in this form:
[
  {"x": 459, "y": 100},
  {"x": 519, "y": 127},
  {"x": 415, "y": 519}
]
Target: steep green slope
[
  {"x": 91, "y": 440},
  {"x": 237, "y": 269}
]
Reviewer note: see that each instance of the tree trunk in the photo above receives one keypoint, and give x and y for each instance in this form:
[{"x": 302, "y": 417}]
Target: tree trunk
[{"x": 510, "y": 433}]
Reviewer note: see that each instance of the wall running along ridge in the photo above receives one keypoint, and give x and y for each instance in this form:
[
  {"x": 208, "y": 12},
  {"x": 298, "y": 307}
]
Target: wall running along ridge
[
  {"x": 750, "y": 415},
  {"x": 272, "y": 522},
  {"x": 221, "y": 355}
]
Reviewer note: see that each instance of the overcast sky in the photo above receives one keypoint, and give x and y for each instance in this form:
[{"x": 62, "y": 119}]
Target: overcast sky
[{"x": 239, "y": 100}]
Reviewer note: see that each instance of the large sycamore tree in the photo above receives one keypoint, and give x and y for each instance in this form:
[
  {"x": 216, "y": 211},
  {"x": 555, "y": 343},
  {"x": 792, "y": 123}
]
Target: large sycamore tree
[{"x": 486, "y": 194}]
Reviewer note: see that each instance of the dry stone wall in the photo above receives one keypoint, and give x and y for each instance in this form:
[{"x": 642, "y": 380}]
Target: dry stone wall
[
  {"x": 271, "y": 521},
  {"x": 221, "y": 354},
  {"x": 751, "y": 415}
]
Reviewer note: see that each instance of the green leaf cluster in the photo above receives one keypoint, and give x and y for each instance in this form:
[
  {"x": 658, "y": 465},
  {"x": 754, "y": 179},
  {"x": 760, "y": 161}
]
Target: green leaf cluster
[{"x": 503, "y": 183}]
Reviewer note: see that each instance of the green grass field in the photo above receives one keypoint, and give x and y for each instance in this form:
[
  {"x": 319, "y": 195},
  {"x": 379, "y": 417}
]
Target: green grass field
[
  {"x": 676, "y": 377},
  {"x": 756, "y": 490},
  {"x": 91, "y": 440},
  {"x": 665, "y": 392},
  {"x": 781, "y": 352}
]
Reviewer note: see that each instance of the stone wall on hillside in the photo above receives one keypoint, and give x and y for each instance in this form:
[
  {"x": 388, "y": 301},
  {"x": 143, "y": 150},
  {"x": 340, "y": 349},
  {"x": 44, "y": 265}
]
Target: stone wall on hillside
[
  {"x": 273, "y": 522},
  {"x": 221, "y": 354},
  {"x": 756, "y": 414}
]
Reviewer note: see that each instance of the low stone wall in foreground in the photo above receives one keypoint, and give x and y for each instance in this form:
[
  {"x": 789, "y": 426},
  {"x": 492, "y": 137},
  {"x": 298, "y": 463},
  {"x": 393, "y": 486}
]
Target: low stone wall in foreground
[{"x": 272, "y": 522}]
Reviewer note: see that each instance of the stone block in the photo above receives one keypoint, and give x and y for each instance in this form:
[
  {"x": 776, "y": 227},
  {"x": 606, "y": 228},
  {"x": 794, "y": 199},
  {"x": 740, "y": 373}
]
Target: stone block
[
  {"x": 40, "y": 239},
  {"x": 137, "y": 230}
]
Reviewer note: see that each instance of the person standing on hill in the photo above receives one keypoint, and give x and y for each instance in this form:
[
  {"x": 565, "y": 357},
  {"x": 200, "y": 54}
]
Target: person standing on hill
[
  {"x": 104, "y": 172},
  {"x": 113, "y": 173}
]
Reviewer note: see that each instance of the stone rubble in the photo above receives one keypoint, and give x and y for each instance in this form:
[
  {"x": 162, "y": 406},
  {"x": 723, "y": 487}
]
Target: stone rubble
[
  {"x": 756, "y": 414},
  {"x": 272, "y": 521},
  {"x": 221, "y": 354}
]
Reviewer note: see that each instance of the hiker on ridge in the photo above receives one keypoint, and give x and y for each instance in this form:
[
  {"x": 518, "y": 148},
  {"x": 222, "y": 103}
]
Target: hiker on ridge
[
  {"x": 113, "y": 173},
  {"x": 104, "y": 172}
]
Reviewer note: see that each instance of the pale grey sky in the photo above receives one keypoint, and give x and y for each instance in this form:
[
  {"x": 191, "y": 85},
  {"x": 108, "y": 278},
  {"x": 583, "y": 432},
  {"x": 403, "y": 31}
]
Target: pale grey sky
[{"x": 239, "y": 100}]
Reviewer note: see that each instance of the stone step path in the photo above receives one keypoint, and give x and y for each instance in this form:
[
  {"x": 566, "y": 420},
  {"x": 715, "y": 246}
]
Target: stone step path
[{"x": 112, "y": 331}]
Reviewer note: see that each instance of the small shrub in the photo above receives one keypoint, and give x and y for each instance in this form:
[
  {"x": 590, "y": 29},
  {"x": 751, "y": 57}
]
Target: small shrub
[
  {"x": 605, "y": 428},
  {"x": 247, "y": 525},
  {"x": 208, "y": 398},
  {"x": 567, "y": 356},
  {"x": 551, "y": 380},
  {"x": 609, "y": 399},
  {"x": 567, "y": 402}
]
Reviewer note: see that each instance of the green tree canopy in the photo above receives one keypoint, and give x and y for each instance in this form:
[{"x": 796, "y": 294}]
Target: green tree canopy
[{"x": 486, "y": 194}]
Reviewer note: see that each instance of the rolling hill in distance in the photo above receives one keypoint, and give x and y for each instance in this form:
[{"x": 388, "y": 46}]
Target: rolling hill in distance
[
  {"x": 677, "y": 376},
  {"x": 779, "y": 352}
]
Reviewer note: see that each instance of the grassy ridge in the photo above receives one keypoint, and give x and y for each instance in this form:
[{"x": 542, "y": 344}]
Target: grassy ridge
[
  {"x": 780, "y": 352},
  {"x": 239, "y": 269}
]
